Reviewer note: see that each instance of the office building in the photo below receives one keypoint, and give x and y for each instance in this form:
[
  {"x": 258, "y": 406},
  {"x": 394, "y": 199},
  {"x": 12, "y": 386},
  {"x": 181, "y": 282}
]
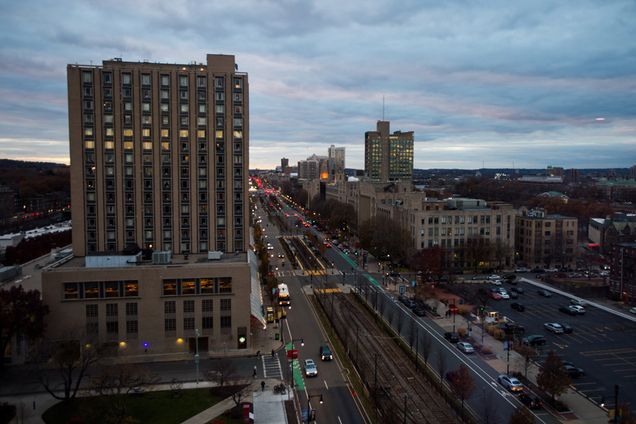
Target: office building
[
  {"x": 623, "y": 272},
  {"x": 388, "y": 157},
  {"x": 159, "y": 162},
  {"x": 336, "y": 163}
]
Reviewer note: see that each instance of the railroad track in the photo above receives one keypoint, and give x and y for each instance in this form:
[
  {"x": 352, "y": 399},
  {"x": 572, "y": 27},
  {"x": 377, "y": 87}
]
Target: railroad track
[{"x": 395, "y": 386}]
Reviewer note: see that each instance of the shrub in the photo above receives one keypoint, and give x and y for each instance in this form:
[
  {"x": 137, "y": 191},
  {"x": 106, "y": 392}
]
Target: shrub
[
  {"x": 486, "y": 350},
  {"x": 462, "y": 332}
]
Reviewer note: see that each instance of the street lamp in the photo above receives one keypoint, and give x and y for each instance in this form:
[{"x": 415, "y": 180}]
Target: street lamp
[
  {"x": 196, "y": 351},
  {"x": 311, "y": 414}
]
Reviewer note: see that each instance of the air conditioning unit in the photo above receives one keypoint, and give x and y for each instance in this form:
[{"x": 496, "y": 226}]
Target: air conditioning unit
[{"x": 214, "y": 255}]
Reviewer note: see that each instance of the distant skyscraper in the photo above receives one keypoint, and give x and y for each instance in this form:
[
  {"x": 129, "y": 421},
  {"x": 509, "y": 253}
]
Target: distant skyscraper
[
  {"x": 388, "y": 157},
  {"x": 336, "y": 162},
  {"x": 284, "y": 163}
]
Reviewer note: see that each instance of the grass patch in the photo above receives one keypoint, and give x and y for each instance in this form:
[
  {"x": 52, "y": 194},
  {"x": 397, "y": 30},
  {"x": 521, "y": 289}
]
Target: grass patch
[{"x": 150, "y": 407}]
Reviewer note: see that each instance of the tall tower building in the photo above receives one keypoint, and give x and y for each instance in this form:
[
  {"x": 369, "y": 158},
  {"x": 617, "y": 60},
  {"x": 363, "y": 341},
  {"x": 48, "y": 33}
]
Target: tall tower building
[
  {"x": 388, "y": 157},
  {"x": 159, "y": 156},
  {"x": 336, "y": 162},
  {"x": 159, "y": 161}
]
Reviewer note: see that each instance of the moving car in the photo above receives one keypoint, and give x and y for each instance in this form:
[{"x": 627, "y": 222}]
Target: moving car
[
  {"x": 325, "y": 353},
  {"x": 496, "y": 296},
  {"x": 573, "y": 371},
  {"x": 465, "y": 347},
  {"x": 311, "y": 370},
  {"x": 510, "y": 383},
  {"x": 567, "y": 310},
  {"x": 553, "y": 327},
  {"x": 632, "y": 310},
  {"x": 567, "y": 329},
  {"x": 493, "y": 277},
  {"x": 578, "y": 309},
  {"x": 517, "y": 307},
  {"x": 578, "y": 302},
  {"x": 521, "y": 269}
]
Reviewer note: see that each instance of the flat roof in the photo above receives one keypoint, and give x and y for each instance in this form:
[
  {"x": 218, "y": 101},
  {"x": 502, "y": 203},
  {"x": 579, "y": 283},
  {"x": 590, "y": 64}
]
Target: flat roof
[{"x": 177, "y": 260}]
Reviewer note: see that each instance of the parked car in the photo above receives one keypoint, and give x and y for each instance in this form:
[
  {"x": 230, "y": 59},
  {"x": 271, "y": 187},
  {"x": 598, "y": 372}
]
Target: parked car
[
  {"x": 544, "y": 293},
  {"x": 510, "y": 383},
  {"x": 534, "y": 340},
  {"x": 573, "y": 371},
  {"x": 530, "y": 401},
  {"x": 495, "y": 296},
  {"x": 465, "y": 347},
  {"x": 519, "y": 290},
  {"x": 504, "y": 295},
  {"x": 495, "y": 282},
  {"x": 325, "y": 353},
  {"x": 493, "y": 277},
  {"x": 553, "y": 327},
  {"x": 311, "y": 370},
  {"x": 521, "y": 269},
  {"x": 632, "y": 310},
  {"x": 578, "y": 302},
  {"x": 419, "y": 311},
  {"x": 579, "y": 310},
  {"x": 567, "y": 329},
  {"x": 566, "y": 310},
  {"x": 517, "y": 306},
  {"x": 451, "y": 336}
]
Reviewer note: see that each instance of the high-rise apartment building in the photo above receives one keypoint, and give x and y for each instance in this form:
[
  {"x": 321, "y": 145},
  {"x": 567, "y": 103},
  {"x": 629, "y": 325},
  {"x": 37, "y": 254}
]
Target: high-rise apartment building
[
  {"x": 388, "y": 157},
  {"x": 336, "y": 162},
  {"x": 159, "y": 156},
  {"x": 159, "y": 161}
]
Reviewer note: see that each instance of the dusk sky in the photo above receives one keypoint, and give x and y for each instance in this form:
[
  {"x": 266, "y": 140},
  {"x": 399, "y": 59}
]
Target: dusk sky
[{"x": 490, "y": 83}]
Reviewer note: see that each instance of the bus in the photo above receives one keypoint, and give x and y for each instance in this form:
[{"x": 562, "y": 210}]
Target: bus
[{"x": 283, "y": 295}]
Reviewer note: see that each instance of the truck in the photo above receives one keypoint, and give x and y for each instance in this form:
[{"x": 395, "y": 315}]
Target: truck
[{"x": 283, "y": 295}]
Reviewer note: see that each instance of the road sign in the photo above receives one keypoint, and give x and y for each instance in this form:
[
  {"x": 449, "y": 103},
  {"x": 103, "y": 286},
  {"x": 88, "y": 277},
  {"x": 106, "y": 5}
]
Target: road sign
[
  {"x": 402, "y": 289},
  {"x": 292, "y": 354}
]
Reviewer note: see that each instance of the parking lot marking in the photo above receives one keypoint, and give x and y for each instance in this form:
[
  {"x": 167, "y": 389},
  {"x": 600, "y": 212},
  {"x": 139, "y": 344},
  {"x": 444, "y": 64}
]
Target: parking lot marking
[{"x": 608, "y": 352}]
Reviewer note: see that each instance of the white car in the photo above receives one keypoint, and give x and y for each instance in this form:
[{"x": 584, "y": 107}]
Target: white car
[
  {"x": 465, "y": 347},
  {"x": 510, "y": 383},
  {"x": 504, "y": 295},
  {"x": 553, "y": 327},
  {"x": 578, "y": 302},
  {"x": 495, "y": 282},
  {"x": 493, "y": 277},
  {"x": 578, "y": 309},
  {"x": 311, "y": 370}
]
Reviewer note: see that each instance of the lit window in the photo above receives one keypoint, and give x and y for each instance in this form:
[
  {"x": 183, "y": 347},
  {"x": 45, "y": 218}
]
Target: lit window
[
  {"x": 165, "y": 133},
  {"x": 145, "y": 107},
  {"x": 237, "y": 134},
  {"x": 128, "y": 132},
  {"x": 201, "y": 133},
  {"x": 188, "y": 287},
  {"x": 109, "y": 145},
  {"x": 145, "y": 132},
  {"x": 147, "y": 145},
  {"x": 165, "y": 146},
  {"x": 183, "y": 133},
  {"x": 127, "y": 106},
  {"x": 164, "y": 107},
  {"x": 219, "y": 134},
  {"x": 109, "y": 132},
  {"x": 125, "y": 78},
  {"x": 89, "y": 144},
  {"x": 184, "y": 108},
  {"x": 201, "y": 121},
  {"x": 128, "y": 145},
  {"x": 88, "y": 132}
]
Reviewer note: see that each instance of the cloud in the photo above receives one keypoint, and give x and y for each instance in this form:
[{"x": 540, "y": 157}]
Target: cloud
[{"x": 491, "y": 81}]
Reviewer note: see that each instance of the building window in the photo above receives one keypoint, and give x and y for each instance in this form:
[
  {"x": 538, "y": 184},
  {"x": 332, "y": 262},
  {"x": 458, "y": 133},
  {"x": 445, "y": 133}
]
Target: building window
[
  {"x": 170, "y": 324},
  {"x": 207, "y": 323},
  {"x": 188, "y": 287},
  {"x": 132, "y": 327},
  {"x": 183, "y": 80},
  {"x": 225, "y": 285},
  {"x": 188, "y": 323},
  {"x": 125, "y": 79},
  {"x": 131, "y": 309},
  {"x": 92, "y": 310},
  {"x": 112, "y": 327},
  {"x": 226, "y": 304},
  {"x": 170, "y": 307},
  {"x": 71, "y": 291},
  {"x": 188, "y": 306},
  {"x": 226, "y": 322}
]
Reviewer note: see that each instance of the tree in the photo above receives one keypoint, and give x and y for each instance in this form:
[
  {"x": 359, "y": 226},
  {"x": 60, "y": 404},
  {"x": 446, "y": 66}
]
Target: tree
[
  {"x": 221, "y": 371},
  {"x": 430, "y": 263},
  {"x": 21, "y": 312},
  {"x": 385, "y": 239},
  {"x": 522, "y": 415},
  {"x": 71, "y": 361},
  {"x": 462, "y": 383},
  {"x": 552, "y": 377},
  {"x": 528, "y": 353}
]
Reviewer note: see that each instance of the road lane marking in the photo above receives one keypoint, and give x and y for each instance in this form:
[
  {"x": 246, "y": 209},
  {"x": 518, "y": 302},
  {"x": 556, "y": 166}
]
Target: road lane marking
[
  {"x": 326, "y": 386},
  {"x": 339, "y": 420}
]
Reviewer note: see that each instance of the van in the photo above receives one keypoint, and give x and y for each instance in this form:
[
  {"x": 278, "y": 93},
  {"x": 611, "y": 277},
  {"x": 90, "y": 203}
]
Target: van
[{"x": 325, "y": 353}]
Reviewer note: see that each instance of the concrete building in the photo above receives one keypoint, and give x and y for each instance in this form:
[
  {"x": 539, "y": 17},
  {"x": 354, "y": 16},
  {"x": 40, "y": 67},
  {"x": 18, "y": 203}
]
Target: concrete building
[
  {"x": 336, "y": 163},
  {"x": 546, "y": 240},
  {"x": 616, "y": 228},
  {"x": 308, "y": 169},
  {"x": 623, "y": 272},
  {"x": 388, "y": 157},
  {"x": 159, "y": 161}
]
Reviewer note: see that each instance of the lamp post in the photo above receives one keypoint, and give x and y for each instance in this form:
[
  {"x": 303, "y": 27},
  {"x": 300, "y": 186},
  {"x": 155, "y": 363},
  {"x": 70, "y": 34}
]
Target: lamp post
[
  {"x": 196, "y": 352},
  {"x": 310, "y": 416}
]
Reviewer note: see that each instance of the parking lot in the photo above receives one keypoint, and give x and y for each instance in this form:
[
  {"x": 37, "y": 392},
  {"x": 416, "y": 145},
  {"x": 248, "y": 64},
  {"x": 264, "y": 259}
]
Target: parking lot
[{"x": 602, "y": 344}]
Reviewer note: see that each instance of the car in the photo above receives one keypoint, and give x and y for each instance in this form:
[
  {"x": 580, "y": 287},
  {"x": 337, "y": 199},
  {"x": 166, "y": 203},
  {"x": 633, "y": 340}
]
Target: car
[
  {"x": 504, "y": 295},
  {"x": 495, "y": 282},
  {"x": 270, "y": 247},
  {"x": 530, "y": 401},
  {"x": 566, "y": 310},
  {"x": 495, "y": 296},
  {"x": 544, "y": 293},
  {"x": 325, "y": 353},
  {"x": 553, "y": 327},
  {"x": 281, "y": 256},
  {"x": 510, "y": 383},
  {"x": 573, "y": 371},
  {"x": 534, "y": 340},
  {"x": 578, "y": 302},
  {"x": 521, "y": 269},
  {"x": 632, "y": 310},
  {"x": 517, "y": 306},
  {"x": 451, "y": 336},
  {"x": 512, "y": 328},
  {"x": 311, "y": 370},
  {"x": 579, "y": 310},
  {"x": 465, "y": 347},
  {"x": 567, "y": 329},
  {"x": 519, "y": 290},
  {"x": 419, "y": 311},
  {"x": 493, "y": 277}
]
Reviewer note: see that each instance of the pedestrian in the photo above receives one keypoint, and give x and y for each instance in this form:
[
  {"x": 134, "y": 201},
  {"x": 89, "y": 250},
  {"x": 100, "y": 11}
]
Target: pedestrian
[
  {"x": 254, "y": 373},
  {"x": 258, "y": 353},
  {"x": 262, "y": 386},
  {"x": 273, "y": 353}
]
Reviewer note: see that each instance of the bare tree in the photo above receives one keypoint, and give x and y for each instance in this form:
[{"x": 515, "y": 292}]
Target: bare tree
[
  {"x": 528, "y": 354},
  {"x": 71, "y": 361},
  {"x": 221, "y": 371},
  {"x": 462, "y": 383}
]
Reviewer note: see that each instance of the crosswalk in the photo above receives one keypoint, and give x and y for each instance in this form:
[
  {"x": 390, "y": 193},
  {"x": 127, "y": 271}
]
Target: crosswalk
[{"x": 271, "y": 367}]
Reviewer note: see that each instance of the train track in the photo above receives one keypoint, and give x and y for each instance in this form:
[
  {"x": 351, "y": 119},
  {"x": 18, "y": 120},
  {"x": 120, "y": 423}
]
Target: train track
[{"x": 400, "y": 393}]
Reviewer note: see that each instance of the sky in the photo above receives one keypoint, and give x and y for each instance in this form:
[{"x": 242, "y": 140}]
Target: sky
[{"x": 494, "y": 83}]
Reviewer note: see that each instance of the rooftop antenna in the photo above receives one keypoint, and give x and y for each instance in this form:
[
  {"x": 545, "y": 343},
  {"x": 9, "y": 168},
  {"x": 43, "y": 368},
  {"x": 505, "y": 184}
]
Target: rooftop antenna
[{"x": 383, "y": 108}]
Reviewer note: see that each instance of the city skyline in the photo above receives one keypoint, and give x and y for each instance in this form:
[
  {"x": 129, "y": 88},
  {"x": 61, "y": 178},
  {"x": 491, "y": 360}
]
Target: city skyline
[{"x": 532, "y": 84}]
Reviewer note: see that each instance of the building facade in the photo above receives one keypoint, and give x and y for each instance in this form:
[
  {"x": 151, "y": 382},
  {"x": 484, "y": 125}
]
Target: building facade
[
  {"x": 336, "y": 163},
  {"x": 623, "y": 272},
  {"x": 546, "y": 240},
  {"x": 388, "y": 157},
  {"x": 159, "y": 162}
]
